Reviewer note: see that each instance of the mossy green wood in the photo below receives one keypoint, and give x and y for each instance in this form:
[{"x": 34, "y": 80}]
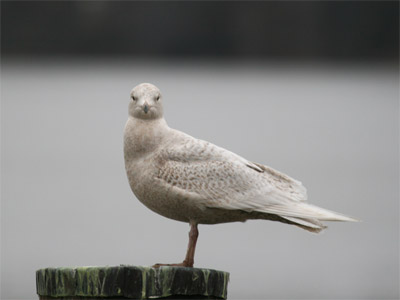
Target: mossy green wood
[{"x": 131, "y": 282}]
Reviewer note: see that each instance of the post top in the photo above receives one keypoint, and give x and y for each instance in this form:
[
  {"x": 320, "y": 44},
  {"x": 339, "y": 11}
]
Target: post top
[{"x": 134, "y": 282}]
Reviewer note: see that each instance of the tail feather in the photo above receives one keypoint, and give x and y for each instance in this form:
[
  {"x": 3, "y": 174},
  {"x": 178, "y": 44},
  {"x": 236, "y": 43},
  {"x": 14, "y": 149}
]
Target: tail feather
[
  {"x": 301, "y": 210},
  {"x": 311, "y": 225},
  {"x": 305, "y": 216}
]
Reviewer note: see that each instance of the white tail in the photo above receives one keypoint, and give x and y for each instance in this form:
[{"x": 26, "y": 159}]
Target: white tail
[
  {"x": 312, "y": 225},
  {"x": 306, "y": 216},
  {"x": 304, "y": 210}
]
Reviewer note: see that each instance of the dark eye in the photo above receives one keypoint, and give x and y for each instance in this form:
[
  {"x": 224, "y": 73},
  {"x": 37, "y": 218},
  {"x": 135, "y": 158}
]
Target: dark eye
[
  {"x": 158, "y": 97},
  {"x": 133, "y": 98}
]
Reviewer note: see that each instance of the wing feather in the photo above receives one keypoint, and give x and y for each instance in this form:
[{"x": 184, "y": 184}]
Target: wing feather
[
  {"x": 225, "y": 180},
  {"x": 218, "y": 178}
]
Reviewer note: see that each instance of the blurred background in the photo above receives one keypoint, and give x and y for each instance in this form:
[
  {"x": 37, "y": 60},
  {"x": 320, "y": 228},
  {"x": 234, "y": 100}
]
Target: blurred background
[
  {"x": 309, "y": 88},
  {"x": 173, "y": 29}
]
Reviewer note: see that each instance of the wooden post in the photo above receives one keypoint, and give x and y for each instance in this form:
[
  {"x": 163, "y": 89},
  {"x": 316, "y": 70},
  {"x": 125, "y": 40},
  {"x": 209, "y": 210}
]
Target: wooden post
[{"x": 131, "y": 282}]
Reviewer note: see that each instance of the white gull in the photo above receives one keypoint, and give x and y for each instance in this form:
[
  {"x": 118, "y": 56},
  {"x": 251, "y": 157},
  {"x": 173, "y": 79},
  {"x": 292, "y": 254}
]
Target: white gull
[{"x": 194, "y": 181}]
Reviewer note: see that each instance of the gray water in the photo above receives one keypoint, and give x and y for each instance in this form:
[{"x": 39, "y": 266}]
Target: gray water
[{"x": 65, "y": 199}]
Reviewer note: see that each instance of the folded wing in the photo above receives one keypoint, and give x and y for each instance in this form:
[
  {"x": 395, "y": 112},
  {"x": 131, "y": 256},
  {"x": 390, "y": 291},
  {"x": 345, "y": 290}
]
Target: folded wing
[{"x": 224, "y": 180}]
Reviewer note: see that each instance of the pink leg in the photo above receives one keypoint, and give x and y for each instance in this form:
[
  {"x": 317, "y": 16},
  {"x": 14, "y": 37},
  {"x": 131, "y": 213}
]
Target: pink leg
[{"x": 189, "y": 259}]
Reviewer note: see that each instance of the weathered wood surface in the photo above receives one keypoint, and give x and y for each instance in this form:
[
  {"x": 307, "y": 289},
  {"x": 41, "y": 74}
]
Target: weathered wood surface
[{"x": 131, "y": 282}]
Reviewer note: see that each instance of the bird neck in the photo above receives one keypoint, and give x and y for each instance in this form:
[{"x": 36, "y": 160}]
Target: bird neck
[{"x": 142, "y": 137}]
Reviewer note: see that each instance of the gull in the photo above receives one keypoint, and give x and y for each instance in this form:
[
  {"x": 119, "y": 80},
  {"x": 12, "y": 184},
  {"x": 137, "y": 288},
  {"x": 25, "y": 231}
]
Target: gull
[{"x": 194, "y": 181}]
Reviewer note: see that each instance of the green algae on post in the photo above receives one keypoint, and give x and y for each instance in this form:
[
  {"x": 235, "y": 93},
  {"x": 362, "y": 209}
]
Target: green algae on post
[{"x": 131, "y": 282}]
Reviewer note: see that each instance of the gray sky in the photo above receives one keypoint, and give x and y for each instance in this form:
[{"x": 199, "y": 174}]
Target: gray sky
[{"x": 65, "y": 199}]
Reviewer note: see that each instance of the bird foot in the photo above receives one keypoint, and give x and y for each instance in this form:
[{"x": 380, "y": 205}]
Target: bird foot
[{"x": 182, "y": 264}]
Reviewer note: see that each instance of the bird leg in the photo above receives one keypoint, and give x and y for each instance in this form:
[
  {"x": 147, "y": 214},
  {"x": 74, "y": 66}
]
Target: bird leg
[
  {"x": 193, "y": 235},
  {"x": 189, "y": 259}
]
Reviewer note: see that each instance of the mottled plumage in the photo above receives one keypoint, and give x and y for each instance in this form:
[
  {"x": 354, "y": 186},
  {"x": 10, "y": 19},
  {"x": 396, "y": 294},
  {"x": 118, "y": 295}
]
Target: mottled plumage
[{"x": 194, "y": 181}]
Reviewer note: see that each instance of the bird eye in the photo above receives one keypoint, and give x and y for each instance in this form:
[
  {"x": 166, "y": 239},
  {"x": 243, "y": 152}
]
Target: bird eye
[
  {"x": 133, "y": 98},
  {"x": 158, "y": 97}
]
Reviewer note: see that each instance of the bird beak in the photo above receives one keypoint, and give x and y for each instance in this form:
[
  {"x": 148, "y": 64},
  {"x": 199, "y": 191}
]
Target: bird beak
[{"x": 146, "y": 108}]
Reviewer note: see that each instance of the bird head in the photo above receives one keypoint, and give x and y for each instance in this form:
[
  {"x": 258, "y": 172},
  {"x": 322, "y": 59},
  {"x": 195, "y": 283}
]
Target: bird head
[{"x": 146, "y": 102}]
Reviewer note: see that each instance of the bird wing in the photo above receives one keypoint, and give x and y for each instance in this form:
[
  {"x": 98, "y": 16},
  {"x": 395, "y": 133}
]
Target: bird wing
[{"x": 219, "y": 178}]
